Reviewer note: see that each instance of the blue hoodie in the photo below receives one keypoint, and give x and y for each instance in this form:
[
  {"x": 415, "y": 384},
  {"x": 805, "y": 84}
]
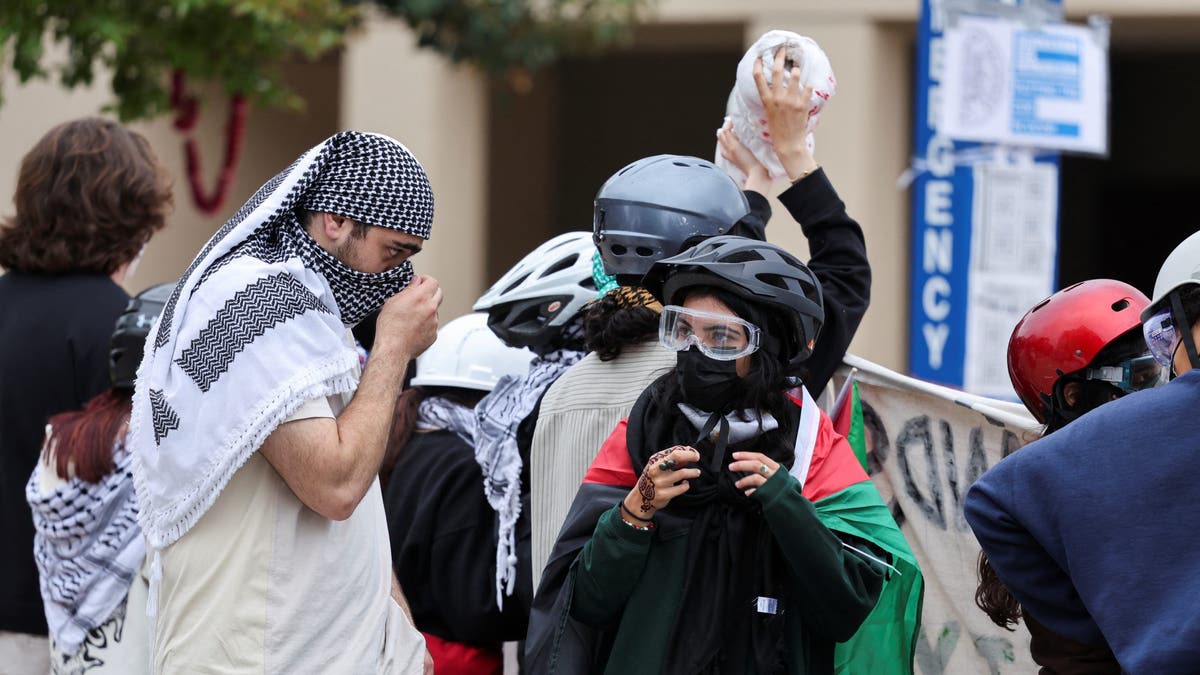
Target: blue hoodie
[{"x": 1093, "y": 528}]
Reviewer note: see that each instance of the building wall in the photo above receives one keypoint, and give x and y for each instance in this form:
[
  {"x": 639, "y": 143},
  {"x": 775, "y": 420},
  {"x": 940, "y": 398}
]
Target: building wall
[{"x": 439, "y": 111}]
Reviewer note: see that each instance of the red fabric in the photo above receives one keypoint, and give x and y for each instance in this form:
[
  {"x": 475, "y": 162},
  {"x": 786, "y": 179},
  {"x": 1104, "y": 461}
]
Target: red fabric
[
  {"x": 612, "y": 465},
  {"x": 834, "y": 466},
  {"x": 456, "y": 658}
]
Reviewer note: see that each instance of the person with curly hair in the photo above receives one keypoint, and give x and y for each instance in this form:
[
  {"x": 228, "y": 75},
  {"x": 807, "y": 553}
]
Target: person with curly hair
[{"x": 89, "y": 195}]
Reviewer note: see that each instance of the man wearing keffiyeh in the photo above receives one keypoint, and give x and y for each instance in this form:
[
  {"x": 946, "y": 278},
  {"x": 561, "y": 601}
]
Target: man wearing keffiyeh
[{"x": 255, "y": 473}]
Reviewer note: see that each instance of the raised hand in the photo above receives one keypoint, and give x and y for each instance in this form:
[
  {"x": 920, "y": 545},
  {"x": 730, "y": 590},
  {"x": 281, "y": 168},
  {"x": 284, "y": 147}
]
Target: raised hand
[
  {"x": 787, "y": 106},
  {"x": 408, "y": 321},
  {"x": 757, "y": 176}
]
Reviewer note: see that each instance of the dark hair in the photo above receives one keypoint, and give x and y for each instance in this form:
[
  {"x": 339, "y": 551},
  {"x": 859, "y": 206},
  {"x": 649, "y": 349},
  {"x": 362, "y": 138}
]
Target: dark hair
[
  {"x": 89, "y": 195},
  {"x": 404, "y": 422},
  {"x": 610, "y": 325},
  {"x": 994, "y": 599},
  {"x": 82, "y": 440}
]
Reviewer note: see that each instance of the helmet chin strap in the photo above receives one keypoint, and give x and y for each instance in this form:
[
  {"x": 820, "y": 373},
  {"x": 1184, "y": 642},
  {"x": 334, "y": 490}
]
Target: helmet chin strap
[{"x": 1185, "y": 332}]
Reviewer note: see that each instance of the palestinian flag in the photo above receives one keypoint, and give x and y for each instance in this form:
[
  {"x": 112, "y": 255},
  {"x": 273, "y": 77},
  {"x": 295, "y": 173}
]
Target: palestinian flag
[
  {"x": 887, "y": 640},
  {"x": 833, "y": 479}
]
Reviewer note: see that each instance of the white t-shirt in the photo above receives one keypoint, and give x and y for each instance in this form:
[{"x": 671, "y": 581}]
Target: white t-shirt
[{"x": 263, "y": 584}]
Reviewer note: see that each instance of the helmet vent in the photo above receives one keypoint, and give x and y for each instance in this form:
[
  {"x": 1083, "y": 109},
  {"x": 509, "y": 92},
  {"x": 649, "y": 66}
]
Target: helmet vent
[
  {"x": 559, "y": 266},
  {"x": 645, "y": 251},
  {"x": 520, "y": 280},
  {"x": 1121, "y": 304},
  {"x": 618, "y": 249},
  {"x": 679, "y": 164}
]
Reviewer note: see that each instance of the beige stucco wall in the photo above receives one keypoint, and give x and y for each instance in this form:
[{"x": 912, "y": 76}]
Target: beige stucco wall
[{"x": 439, "y": 111}]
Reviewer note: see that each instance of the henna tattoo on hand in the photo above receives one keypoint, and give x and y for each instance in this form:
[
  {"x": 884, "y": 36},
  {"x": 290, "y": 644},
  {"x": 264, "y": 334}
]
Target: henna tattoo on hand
[
  {"x": 645, "y": 484},
  {"x": 645, "y": 488}
]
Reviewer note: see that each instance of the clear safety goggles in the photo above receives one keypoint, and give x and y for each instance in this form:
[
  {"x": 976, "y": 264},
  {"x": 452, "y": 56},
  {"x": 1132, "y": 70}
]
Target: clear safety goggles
[
  {"x": 1130, "y": 375},
  {"x": 719, "y": 336},
  {"x": 1161, "y": 336}
]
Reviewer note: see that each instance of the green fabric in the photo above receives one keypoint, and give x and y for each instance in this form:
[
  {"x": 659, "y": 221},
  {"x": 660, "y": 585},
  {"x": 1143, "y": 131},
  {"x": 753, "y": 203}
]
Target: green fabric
[
  {"x": 856, "y": 436},
  {"x": 604, "y": 282},
  {"x": 886, "y": 642}
]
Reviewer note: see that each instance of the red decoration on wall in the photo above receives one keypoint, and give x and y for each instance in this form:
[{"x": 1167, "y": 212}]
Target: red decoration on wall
[{"x": 186, "y": 114}]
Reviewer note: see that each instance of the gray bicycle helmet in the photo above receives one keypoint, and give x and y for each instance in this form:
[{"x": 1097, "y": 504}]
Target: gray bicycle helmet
[
  {"x": 756, "y": 271},
  {"x": 658, "y": 206},
  {"x": 129, "y": 337},
  {"x": 531, "y": 303}
]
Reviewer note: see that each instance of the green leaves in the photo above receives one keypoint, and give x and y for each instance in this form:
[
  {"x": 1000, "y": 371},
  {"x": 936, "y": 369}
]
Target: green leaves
[
  {"x": 242, "y": 44},
  {"x": 238, "y": 43}
]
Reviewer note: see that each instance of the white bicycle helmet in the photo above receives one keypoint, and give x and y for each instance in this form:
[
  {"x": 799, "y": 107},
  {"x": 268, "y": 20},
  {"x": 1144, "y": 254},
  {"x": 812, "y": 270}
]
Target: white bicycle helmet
[
  {"x": 468, "y": 355},
  {"x": 531, "y": 303}
]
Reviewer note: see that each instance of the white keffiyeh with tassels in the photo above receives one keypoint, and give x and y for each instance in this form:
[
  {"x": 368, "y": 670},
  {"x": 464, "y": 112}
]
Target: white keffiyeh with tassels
[{"x": 256, "y": 326}]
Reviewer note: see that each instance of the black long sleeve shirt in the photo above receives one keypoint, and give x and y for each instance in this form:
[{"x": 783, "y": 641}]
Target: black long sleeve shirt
[{"x": 54, "y": 343}]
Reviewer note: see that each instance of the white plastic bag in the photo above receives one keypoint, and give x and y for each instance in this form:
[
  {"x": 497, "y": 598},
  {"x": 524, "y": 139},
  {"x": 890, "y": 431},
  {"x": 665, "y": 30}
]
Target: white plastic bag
[{"x": 746, "y": 110}]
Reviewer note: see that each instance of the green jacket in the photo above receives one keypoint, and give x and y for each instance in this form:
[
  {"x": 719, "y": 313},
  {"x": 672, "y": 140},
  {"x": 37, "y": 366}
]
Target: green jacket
[{"x": 633, "y": 579}]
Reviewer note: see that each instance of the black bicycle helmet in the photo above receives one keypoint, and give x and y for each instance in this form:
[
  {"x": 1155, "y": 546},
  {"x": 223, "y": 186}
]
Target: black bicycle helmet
[
  {"x": 756, "y": 271},
  {"x": 658, "y": 206},
  {"x": 129, "y": 336}
]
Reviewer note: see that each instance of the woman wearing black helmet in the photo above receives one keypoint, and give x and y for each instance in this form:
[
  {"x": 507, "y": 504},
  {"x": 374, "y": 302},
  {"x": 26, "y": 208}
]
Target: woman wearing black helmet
[
  {"x": 711, "y": 533},
  {"x": 88, "y": 546}
]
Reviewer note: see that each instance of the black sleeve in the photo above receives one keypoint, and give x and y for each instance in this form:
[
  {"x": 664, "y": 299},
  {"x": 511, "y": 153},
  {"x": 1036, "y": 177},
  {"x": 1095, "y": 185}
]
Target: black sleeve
[
  {"x": 838, "y": 257},
  {"x": 754, "y": 224},
  {"x": 443, "y": 536}
]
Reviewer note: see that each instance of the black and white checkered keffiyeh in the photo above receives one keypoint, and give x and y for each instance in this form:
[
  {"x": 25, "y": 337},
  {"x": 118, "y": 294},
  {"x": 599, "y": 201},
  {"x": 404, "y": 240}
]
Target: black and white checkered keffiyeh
[
  {"x": 498, "y": 418},
  {"x": 257, "y": 325},
  {"x": 438, "y": 413},
  {"x": 88, "y": 549}
]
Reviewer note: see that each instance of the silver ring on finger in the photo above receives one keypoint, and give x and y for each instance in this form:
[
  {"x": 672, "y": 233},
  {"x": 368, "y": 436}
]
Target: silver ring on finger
[{"x": 764, "y": 469}]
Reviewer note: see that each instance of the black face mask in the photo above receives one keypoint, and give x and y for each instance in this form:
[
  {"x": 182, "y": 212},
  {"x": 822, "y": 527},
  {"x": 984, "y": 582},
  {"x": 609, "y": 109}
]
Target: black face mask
[{"x": 705, "y": 383}]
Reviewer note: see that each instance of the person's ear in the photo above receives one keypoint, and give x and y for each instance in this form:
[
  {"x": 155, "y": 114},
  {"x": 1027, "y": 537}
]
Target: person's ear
[
  {"x": 1071, "y": 393},
  {"x": 335, "y": 227}
]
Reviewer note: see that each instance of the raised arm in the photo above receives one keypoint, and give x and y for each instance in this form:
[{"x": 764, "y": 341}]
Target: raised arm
[
  {"x": 331, "y": 463},
  {"x": 837, "y": 249}
]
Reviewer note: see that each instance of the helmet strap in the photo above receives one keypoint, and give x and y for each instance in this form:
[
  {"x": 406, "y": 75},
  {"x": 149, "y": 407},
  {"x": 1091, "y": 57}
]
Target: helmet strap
[{"x": 1184, "y": 326}]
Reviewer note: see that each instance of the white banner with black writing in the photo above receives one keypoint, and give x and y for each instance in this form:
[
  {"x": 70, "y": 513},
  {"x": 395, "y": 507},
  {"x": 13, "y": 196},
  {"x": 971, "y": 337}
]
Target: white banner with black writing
[{"x": 925, "y": 445}]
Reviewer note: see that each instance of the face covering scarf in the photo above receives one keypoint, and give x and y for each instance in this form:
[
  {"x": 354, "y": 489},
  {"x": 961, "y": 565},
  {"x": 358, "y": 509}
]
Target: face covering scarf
[{"x": 257, "y": 325}]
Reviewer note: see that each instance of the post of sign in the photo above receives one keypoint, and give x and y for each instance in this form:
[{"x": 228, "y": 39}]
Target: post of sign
[{"x": 1001, "y": 88}]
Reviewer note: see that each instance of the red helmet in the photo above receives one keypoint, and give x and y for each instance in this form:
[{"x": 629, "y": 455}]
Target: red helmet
[{"x": 1063, "y": 334}]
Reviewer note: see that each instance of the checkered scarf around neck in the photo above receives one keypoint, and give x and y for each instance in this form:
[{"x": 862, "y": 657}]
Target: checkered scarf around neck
[
  {"x": 258, "y": 324},
  {"x": 498, "y": 419},
  {"x": 88, "y": 549},
  {"x": 438, "y": 413}
]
